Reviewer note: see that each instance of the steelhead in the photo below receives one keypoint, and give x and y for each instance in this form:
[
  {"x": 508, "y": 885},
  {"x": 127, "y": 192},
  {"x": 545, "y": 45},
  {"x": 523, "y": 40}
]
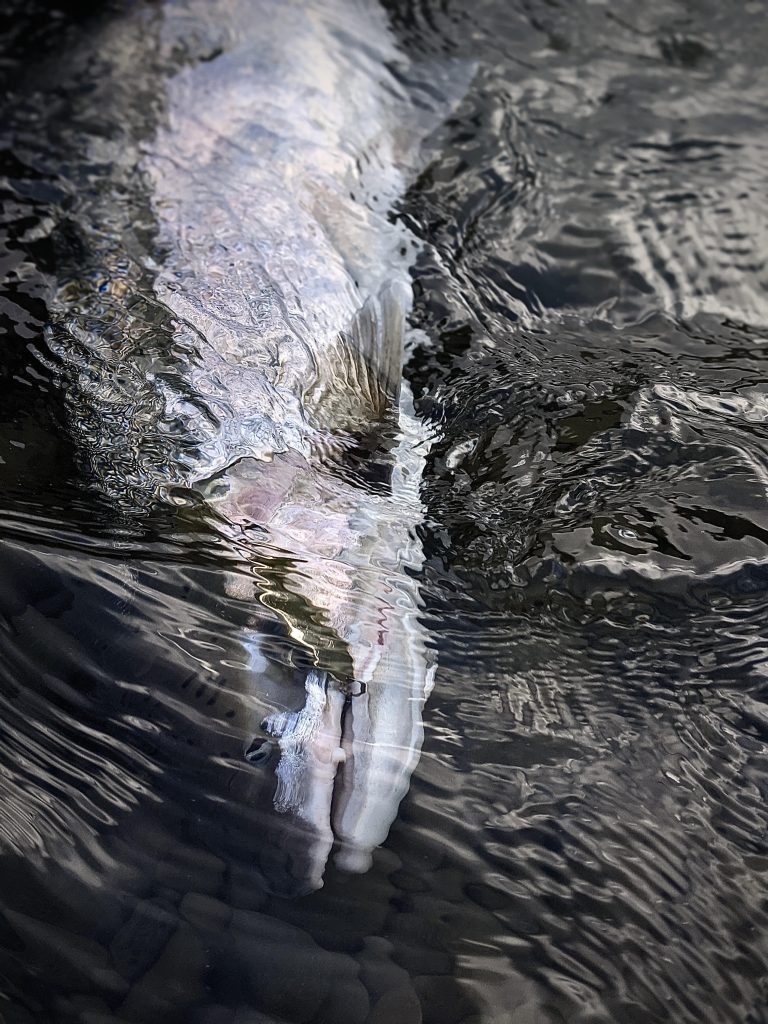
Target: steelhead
[{"x": 232, "y": 331}]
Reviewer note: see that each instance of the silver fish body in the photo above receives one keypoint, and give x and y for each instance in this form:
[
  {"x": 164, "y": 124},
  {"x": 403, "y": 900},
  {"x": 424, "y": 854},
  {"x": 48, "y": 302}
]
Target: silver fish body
[{"x": 260, "y": 333}]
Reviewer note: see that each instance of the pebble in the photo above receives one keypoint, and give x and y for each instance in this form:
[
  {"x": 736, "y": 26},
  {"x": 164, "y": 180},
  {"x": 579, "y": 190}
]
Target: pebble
[
  {"x": 423, "y": 959},
  {"x": 425, "y": 850},
  {"x": 398, "y": 1004},
  {"x": 245, "y": 888},
  {"x": 392, "y": 993},
  {"x": 97, "y": 912},
  {"x": 442, "y": 1000},
  {"x": 190, "y": 867},
  {"x": 450, "y": 881},
  {"x": 501, "y": 994},
  {"x": 58, "y": 892},
  {"x": 346, "y": 1003},
  {"x": 386, "y": 861},
  {"x": 358, "y": 905},
  {"x": 420, "y": 929},
  {"x": 353, "y": 913},
  {"x": 377, "y": 971},
  {"x": 166, "y": 862},
  {"x": 64, "y": 958},
  {"x": 288, "y": 973},
  {"x": 173, "y": 985},
  {"x": 206, "y": 913},
  {"x": 406, "y": 881},
  {"x": 141, "y": 939}
]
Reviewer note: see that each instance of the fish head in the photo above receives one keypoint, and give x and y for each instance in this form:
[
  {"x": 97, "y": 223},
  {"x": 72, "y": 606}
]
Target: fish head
[
  {"x": 337, "y": 560},
  {"x": 312, "y": 535}
]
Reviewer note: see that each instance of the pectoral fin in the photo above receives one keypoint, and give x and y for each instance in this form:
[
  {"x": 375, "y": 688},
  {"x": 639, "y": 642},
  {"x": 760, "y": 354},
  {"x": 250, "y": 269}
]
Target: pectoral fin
[{"x": 310, "y": 752}]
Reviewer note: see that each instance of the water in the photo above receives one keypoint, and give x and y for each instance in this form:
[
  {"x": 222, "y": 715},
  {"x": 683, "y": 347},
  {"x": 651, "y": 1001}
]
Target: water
[{"x": 584, "y": 838}]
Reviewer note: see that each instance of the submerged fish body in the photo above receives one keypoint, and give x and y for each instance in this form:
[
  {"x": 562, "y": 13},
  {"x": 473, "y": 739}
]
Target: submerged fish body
[
  {"x": 282, "y": 285},
  {"x": 347, "y": 757}
]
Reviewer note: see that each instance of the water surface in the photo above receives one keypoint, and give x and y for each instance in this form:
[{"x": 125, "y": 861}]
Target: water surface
[{"x": 585, "y": 835}]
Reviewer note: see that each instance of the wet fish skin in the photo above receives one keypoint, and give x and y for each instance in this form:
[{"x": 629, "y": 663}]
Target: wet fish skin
[
  {"x": 347, "y": 759},
  {"x": 272, "y": 333},
  {"x": 268, "y": 257}
]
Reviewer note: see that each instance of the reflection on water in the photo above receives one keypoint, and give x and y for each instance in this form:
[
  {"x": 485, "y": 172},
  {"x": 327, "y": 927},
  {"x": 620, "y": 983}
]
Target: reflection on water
[{"x": 584, "y": 838}]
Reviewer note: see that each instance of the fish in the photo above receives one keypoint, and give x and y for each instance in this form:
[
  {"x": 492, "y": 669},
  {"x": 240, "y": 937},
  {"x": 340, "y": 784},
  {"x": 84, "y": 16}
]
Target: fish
[
  {"x": 235, "y": 339},
  {"x": 347, "y": 756}
]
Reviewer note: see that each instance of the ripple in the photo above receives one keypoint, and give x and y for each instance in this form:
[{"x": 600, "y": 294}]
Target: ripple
[{"x": 585, "y": 834}]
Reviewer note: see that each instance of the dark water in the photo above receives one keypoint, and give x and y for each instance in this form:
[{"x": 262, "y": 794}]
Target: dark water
[{"x": 585, "y": 834}]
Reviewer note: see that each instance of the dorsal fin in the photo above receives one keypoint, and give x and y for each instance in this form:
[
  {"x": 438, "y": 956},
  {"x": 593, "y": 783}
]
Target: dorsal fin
[{"x": 364, "y": 365}]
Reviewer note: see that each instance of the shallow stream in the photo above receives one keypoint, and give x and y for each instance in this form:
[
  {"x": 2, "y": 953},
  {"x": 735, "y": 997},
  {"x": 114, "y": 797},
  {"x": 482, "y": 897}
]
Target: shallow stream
[{"x": 585, "y": 839}]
